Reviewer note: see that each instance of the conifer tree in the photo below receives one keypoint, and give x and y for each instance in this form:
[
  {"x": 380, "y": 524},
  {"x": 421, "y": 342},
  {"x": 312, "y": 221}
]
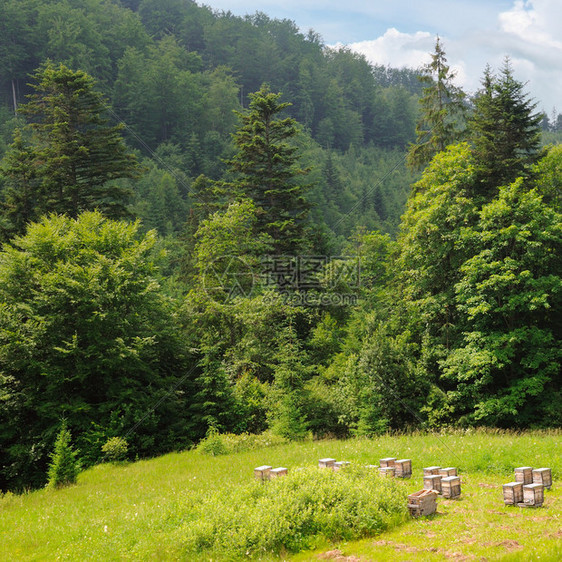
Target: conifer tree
[
  {"x": 73, "y": 153},
  {"x": 268, "y": 171},
  {"x": 442, "y": 110},
  {"x": 505, "y": 129},
  {"x": 64, "y": 467}
]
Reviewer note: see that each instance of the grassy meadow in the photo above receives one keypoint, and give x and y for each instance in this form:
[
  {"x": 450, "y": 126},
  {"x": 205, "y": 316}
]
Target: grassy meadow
[{"x": 196, "y": 506}]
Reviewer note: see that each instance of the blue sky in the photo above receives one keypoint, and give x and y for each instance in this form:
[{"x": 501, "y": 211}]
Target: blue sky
[{"x": 402, "y": 33}]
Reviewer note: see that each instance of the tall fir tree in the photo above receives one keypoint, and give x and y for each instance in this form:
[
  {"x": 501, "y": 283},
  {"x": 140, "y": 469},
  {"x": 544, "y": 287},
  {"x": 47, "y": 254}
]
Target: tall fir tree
[
  {"x": 268, "y": 171},
  {"x": 73, "y": 152},
  {"x": 505, "y": 130},
  {"x": 442, "y": 111}
]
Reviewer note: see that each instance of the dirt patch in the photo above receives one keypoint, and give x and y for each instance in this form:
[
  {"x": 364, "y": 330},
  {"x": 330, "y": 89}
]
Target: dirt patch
[
  {"x": 415, "y": 550},
  {"x": 337, "y": 555},
  {"x": 512, "y": 514},
  {"x": 509, "y": 545},
  {"x": 489, "y": 486}
]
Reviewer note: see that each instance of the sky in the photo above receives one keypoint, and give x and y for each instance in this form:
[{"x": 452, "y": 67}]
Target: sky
[{"x": 401, "y": 33}]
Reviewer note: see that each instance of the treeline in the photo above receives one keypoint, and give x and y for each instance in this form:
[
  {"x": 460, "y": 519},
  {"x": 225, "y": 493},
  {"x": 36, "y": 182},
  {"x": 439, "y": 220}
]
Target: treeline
[
  {"x": 243, "y": 277},
  {"x": 174, "y": 71}
]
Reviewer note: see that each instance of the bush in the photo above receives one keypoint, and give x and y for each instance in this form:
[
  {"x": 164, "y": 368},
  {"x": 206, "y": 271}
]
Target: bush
[
  {"x": 64, "y": 467},
  {"x": 115, "y": 449},
  {"x": 293, "y": 513},
  {"x": 227, "y": 443}
]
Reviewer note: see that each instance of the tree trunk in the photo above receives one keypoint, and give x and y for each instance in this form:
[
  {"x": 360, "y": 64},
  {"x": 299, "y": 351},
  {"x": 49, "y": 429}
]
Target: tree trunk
[{"x": 14, "y": 98}]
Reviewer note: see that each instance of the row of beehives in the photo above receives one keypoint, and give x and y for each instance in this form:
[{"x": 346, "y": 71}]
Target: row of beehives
[{"x": 528, "y": 488}]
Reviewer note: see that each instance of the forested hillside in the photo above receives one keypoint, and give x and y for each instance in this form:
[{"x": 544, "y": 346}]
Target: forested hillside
[{"x": 216, "y": 223}]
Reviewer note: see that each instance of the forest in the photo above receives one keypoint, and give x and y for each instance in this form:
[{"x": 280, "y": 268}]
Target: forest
[{"x": 218, "y": 224}]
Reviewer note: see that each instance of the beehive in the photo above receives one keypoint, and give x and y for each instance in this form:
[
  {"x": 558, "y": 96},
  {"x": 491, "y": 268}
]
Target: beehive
[
  {"x": 542, "y": 476},
  {"x": 432, "y": 482},
  {"x": 422, "y": 503},
  {"x": 448, "y": 471},
  {"x": 339, "y": 465},
  {"x": 451, "y": 487},
  {"x": 277, "y": 472},
  {"x": 389, "y": 471},
  {"x": 326, "y": 463},
  {"x": 513, "y": 493},
  {"x": 403, "y": 468},
  {"x": 431, "y": 470},
  {"x": 533, "y": 495},
  {"x": 524, "y": 474},
  {"x": 262, "y": 472},
  {"x": 389, "y": 461}
]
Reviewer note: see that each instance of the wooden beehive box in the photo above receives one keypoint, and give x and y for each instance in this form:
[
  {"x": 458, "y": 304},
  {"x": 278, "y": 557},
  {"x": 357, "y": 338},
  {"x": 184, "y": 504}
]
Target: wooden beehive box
[
  {"x": 451, "y": 487},
  {"x": 542, "y": 476},
  {"x": 533, "y": 495},
  {"x": 428, "y": 471},
  {"x": 389, "y": 461},
  {"x": 403, "y": 468},
  {"x": 262, "y": 472},
  {"x": 422, "y": 503},
  {"x": 339, "y": 465},
  {"x": 513, "y": 493},
  {"x": 326, "y": 463},
  {"x": 277, "y": 472},
  {"x": 432, "y": 482},
  {"x": 389, "y": 471},
  {"x": 448, "y": 471},
  {"x": 524, "y": 474}
]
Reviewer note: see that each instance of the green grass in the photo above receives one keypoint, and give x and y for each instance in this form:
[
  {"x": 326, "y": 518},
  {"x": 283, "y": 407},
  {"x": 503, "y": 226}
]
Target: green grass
[{"x": 164, "y": 508}]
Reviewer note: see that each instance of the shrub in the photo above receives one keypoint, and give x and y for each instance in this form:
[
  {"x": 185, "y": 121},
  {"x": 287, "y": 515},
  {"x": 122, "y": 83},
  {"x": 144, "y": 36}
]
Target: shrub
[
  {"x": 64, "y": 467},
  {"x": 293, "y": 513},
  {"x": 226, "y": 443},
  {"x": 115, "y": 449},
  {"x": 212, "y": 444}
]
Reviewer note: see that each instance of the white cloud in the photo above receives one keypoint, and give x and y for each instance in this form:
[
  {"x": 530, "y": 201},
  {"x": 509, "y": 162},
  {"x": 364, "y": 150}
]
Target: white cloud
[
  {"x": 398, "y": 49},
  {"x": 527, "y": 32}
]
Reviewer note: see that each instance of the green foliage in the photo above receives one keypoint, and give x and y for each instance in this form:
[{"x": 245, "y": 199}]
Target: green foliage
[
  {"x": 288, "y": 395},
  {"x": 251, "y": 403},
  {"x": 72, "y": 156},
  {"x": 64, "y": 467},
  {"x": 510, "y": 291},
  {"x": 442, "y": 111},
  {"x": 115, "y": 449},
  {"x": 441, "y": 206},
  {"x": 85, "y": 331},
  {"x": 547, "y": 175},
  {"x": 294, "y": 513},
  {"x": 212, "y": 444},
  {"x": 268, "y": 172},
  {"x": 216, "y": 443},
  {"x": 504, "y": 129}
]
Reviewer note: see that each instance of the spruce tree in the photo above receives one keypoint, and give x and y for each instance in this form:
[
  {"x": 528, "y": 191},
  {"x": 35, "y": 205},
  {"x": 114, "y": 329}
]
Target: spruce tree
[
  {"x": 267, "y": 171},
  {"x": 505, "y": 130},
  {"x": 73, "y": 152},
  {"x": 442, "y": 111},
  {"x": 64, "y": 467}
]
